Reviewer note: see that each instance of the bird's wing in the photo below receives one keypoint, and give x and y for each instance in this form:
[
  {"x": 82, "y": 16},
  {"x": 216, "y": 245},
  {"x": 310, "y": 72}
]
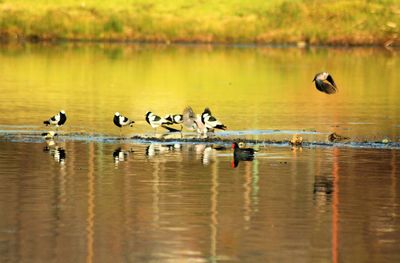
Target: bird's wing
[
  {"x": 212, "y": 118},
  {"x": 188, "y": 117},
  {"x": 55, "y": 118},
  {"x": 155, "y": 118},
  {"x": 329, "y": 88},
  {"x": 330, "y": 80}
]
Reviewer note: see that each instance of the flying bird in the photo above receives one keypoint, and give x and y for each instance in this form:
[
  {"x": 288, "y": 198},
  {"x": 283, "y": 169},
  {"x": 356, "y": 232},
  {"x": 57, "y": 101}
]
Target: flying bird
[
  {"x": 156, "y": 121},
  {"x": 210, "y": 121},
  {"x": 121, "y": 121},
  {"x": 57, "y": 120},
  {"x": 325, "y": 83}
]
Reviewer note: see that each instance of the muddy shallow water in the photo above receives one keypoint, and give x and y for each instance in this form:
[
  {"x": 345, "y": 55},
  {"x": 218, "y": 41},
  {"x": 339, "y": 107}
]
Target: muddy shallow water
[{"x": 95, "y": 196}]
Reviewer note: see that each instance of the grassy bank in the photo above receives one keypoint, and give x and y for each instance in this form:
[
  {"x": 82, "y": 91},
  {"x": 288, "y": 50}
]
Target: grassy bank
[{"x": 341, "y": 22}]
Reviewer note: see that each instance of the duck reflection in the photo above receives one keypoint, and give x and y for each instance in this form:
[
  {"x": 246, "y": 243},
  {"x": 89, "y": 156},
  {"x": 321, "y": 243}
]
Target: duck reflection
[{"x": 56, "y": 151}]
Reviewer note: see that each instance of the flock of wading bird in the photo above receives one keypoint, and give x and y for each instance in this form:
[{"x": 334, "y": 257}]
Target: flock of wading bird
[{"x": 201, "y": 123}]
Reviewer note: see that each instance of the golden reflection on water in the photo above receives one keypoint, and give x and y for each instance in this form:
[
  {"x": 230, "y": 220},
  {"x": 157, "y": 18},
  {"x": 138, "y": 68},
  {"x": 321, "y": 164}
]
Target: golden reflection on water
[
  {"x": 335, "y": 206},
  {"x": 90, "y": 205},
  {"x": 246, "y": 87},
  {"x": 173, "y": 206}
]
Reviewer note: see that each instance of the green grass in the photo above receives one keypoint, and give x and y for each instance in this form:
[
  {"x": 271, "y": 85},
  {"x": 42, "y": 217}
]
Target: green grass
[{"x": 341, "y": 22}]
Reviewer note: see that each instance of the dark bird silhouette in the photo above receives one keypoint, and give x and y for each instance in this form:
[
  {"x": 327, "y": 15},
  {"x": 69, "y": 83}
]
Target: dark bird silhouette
[
  {"x": 325, "y": 83},
  {"x": 241, "y": 154},
  {"x": 57, "y": 120},
  {"x": 121, "y": 121},
  {"x": 210, "y": 121}
]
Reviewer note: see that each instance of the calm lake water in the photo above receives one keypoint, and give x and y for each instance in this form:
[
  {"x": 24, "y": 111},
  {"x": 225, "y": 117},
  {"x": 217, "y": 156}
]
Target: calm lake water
[{"x": 89, "y": 197}]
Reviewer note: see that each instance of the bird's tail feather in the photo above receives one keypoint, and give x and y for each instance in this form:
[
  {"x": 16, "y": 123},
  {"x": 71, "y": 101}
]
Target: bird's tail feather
[
  {"x": 170, "y": 129},
  {"x": 221, "y": 127}
]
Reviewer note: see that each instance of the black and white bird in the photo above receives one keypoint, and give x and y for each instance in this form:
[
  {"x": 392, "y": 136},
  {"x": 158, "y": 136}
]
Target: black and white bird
[
  {"x": 57, "y": 120},
  {"x": 121, "y": 121},
  {"x": 210, "y": 121},
  {"x": 155, "y": 120},
  {"x": 325, "y": 83},
  {"x": 174, "y": 118}
]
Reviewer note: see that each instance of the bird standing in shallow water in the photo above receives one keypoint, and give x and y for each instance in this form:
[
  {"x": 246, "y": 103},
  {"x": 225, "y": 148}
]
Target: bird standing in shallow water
[
  {"x": 49, "y": 135},
  {"x": 210, "y": 121},
  {"x": 174, "y": 118},
  {"x": 241, "y": 154},
  {"x": 325, "y": 83},
  {"x": 155, "y": 120},
  {"x": 57, "y": 120},
  {"x": 121, "y": 121}
]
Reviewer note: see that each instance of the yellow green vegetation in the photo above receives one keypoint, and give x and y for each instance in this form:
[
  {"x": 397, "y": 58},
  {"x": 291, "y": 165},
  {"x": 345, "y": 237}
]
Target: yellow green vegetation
[{"x": 333, "y": 22}]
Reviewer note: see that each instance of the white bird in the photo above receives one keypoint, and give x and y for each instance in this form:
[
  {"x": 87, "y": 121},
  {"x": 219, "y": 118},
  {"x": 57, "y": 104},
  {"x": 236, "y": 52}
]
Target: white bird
[
  {"x": 210, "y": 121},
  {"x": 57, "y": 120},
  {"x": 121, "y": 121},
  {"x": 155, "y": 120}
]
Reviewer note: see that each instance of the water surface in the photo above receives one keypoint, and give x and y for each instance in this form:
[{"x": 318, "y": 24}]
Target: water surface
[
  {"x": 185, "y": 203},
  {"x": 90, "y": 196},
  {"x": 248, "y": 88}
]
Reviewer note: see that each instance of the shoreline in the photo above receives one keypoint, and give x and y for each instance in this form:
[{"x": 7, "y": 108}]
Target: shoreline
[
  {"x": 55, "y": 42},
  {"x": 279, "y": 22},
  {"x": 216, "y": 139}
]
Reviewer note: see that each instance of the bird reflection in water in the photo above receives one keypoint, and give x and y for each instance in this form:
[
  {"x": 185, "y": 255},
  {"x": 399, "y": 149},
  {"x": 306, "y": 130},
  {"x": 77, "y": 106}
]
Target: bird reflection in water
[
  {"x": 323, "y": 188},
  {"x": 241, "y": 154},
  {"x": 120, "y": 155},
  {"x": 56, "y": 151},
  {"x": 157, "y": 149},
  {"x": 208, "y": 152}
]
